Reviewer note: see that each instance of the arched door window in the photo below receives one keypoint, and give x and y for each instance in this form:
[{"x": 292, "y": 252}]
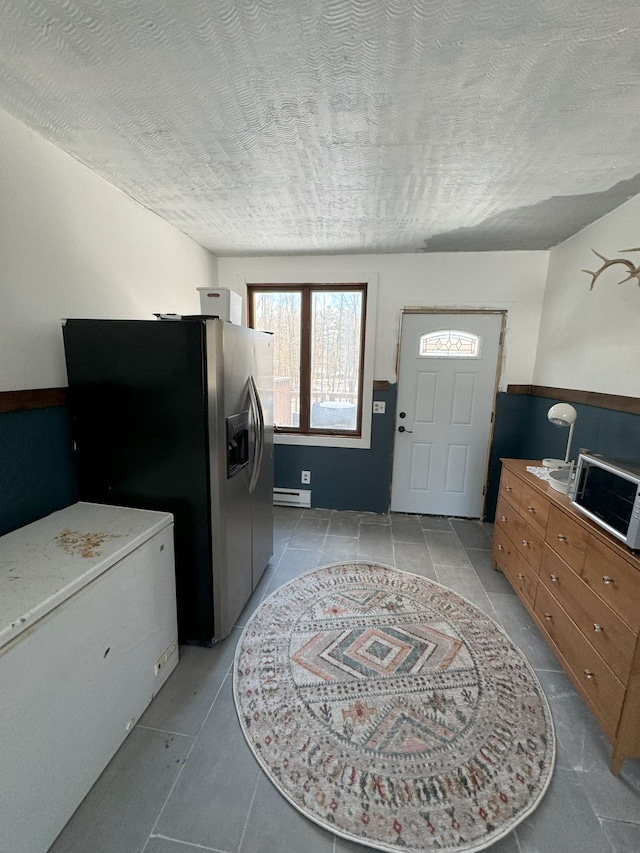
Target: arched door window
[{"x": 449, "y": 343}]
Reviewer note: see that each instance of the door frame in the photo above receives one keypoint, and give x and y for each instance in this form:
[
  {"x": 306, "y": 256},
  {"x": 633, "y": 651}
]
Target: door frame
[{"x": 499, "y": 369}]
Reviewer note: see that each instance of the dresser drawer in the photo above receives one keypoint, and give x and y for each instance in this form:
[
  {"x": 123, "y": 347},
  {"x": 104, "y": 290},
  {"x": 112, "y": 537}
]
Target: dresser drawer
[
  {"x": 614, "y": 580},
  {"x": 510, "y": 487},
  {"x": 590, "y": 673},
  {"x": 535, "y": 508},
  {"x": 567, "y": 538},
  {"x": 520, "y": 575},
  {"x": 521, "y": 533},
  {"x": 607, "y": 633},
  {"x": 502, "y": 549}
]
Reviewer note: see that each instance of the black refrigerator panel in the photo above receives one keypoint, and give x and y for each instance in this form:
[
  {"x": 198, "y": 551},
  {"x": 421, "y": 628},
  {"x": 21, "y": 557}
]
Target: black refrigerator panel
[{"x": 139, "y": 406}]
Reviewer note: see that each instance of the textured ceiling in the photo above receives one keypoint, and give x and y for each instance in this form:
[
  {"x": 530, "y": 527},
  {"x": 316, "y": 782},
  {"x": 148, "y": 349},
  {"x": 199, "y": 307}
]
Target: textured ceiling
[{"x": 338, "y": 126}]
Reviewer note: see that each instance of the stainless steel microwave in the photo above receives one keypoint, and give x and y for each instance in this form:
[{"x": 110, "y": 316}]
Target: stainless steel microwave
[{"x": 608, "y": 492}]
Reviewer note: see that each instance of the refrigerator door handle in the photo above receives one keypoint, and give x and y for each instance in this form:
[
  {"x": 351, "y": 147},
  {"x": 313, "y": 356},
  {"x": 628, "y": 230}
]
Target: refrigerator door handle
[{"x": 259, "y": 422}]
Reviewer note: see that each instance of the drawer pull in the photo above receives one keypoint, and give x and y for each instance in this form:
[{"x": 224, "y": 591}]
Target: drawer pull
[
  {"x": 531, "y": 509},
  {"x": 597, "y": 628},
  {"x": 520, "y": 575},
  {"x": 508, "y": 489},
  {"x": 554, "y": 577},
  {"x": 500, "y": 547},
  {"x": 588, "y": 673},
  {"x": 561, "y": 537},
  {"x": 607, "y": 579},
  {"x": 525, "y": 543},
  {"x": 547, "y": 616},
  {"x": 503, "y": 518}
]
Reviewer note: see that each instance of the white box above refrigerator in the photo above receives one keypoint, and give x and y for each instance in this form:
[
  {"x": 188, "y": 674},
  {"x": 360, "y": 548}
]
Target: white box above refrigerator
[{"x": 221, "y": 302}]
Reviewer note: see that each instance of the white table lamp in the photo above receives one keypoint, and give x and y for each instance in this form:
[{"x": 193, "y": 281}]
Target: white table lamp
[{"x": 561, "y": 415}]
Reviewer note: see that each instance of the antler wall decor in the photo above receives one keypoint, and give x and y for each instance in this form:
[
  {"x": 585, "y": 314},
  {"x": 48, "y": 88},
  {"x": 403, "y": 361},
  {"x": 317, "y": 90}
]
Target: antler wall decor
[{"x": 634, "y": 271}]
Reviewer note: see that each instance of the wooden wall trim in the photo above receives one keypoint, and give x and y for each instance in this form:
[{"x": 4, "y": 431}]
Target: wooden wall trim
[
  {"x": 46, "y": 398},
  {"x": 615, "y": 402},
  {"x": 37, "y": 398}
]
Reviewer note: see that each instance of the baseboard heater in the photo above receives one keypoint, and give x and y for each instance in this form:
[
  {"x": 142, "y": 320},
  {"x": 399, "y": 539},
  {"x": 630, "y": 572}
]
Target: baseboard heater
[{"x": 292, "y": 497}]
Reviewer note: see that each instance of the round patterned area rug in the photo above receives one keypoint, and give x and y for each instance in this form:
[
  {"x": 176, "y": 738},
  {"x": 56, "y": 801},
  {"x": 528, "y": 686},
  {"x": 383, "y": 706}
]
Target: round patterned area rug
[{"x": 392, "y": 711}]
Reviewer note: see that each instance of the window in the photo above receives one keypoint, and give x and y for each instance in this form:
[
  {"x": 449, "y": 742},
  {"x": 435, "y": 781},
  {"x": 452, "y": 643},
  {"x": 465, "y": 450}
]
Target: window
[
  {"x": 449, "y": 343},
  {"x": 318, "y": 354}
]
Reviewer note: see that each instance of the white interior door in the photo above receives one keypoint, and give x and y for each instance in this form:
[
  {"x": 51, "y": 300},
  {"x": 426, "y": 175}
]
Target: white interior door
[{"x": 446, "y": 393}]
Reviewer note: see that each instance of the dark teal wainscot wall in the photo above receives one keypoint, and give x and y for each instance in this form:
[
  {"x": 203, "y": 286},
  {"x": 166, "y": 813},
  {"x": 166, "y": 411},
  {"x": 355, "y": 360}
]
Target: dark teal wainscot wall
[
  {"x": 522, "y": 431},
  {"x": 37, "y": 468}
]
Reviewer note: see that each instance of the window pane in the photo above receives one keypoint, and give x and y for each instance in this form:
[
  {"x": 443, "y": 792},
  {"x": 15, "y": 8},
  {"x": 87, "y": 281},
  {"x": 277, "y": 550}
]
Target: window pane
[
  {"x": 449, "y": 343},
  {"x": 336, "y": 319},
  {"x": 280, "y": 312}
]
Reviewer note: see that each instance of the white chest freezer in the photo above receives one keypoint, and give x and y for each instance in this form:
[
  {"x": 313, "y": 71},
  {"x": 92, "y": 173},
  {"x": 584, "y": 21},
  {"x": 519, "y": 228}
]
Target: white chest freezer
[{"x": 88, "y": 635}]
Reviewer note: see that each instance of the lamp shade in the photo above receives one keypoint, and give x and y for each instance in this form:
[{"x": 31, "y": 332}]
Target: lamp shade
[{"x": 562, "y": 414}]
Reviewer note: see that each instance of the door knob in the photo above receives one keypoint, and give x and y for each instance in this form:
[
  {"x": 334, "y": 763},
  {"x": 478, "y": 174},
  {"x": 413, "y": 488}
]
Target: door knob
[{"x": 404, "y": 429}]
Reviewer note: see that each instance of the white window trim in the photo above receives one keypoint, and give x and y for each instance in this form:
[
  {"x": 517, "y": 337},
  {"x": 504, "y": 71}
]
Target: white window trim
[{"x": 371, "y": 280}]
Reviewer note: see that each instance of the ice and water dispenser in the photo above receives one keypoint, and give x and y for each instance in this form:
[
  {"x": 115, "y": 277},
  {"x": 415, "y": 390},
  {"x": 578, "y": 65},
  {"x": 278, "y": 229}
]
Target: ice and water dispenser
[{"x": 237, "y": 442}]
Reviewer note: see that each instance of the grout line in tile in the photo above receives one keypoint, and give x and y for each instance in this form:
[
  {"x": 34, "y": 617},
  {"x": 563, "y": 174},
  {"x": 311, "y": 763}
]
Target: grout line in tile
[
  {"x": 188, "y": 844},
  {"x": 184, "y": 763},
  {"x": 453, "y": 530},
  {"x": 343, "y": 535},
  {"x": 162, "y": 808},
  {"x": 164, "y": 731},
  {"x": 302, "y": 548},
  {"x": 518, "y": 845},
  {"x": 249, "y": 810},
  {"x": 613, "y": 819}
]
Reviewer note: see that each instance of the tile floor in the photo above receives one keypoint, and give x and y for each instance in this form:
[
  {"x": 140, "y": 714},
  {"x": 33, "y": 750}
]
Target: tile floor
[{"x": 185, "y": 781}]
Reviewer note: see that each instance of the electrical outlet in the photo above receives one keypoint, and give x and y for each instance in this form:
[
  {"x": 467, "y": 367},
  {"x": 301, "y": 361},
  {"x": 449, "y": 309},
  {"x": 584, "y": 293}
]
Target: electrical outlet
[
  {"x": 306, "y": 477},
  {"x": 379, "y": 407}
]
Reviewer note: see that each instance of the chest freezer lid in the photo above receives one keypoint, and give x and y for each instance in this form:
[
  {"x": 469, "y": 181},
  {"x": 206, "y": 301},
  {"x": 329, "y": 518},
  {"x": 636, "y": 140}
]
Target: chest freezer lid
[{"x": 46, "y": 562}]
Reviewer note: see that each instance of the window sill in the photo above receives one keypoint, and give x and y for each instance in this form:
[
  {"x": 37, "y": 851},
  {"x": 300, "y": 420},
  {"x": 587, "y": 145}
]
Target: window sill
[{"x": 362, "y": 442}]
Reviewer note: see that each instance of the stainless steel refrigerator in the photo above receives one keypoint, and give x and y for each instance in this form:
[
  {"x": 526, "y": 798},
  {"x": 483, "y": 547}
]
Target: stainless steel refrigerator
[{"x": 177, "y": 415}]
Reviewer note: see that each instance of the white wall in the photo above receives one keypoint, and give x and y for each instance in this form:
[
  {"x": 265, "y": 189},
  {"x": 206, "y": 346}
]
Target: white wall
[
  {"x": 500, "y": 280},
  {"x": 590, "y": 340},
  {"x": 73, "y": 246}
]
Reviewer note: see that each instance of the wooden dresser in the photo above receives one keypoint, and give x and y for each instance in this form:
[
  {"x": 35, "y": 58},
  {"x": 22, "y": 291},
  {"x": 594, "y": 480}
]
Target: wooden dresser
[{"x": 582, "y": 588}]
